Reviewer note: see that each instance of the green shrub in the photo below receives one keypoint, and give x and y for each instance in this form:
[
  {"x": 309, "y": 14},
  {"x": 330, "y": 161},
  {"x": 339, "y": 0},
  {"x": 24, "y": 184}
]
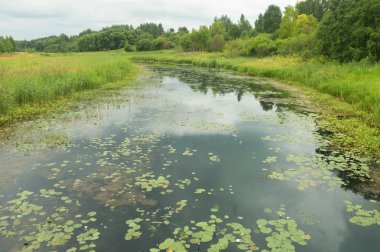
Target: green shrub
[
  {"x": 262, "y": 46},
  {"x": 302, "y": 45},
  {"x": 162, "y": 43},
  {"x": 144, "y": 44},
  {"x": 237, "y": 47},
  {"x": 129, "y": 48}
]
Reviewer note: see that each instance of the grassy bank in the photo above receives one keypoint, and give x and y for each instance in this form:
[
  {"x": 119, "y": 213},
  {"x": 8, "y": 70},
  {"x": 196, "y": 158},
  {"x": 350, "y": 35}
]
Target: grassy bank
[
  {"x": 347, "y": 95},
  {"x": 32, "y": 84}
]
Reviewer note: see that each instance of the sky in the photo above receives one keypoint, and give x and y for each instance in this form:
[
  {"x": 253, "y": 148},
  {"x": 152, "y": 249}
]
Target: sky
[{"x": 30, "y": 19}]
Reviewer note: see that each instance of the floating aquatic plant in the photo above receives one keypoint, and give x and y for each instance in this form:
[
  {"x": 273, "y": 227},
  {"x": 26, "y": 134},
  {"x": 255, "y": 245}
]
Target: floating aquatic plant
[
  {"x": 362, "y": 217},
  {"x": 281, "y": 232}
]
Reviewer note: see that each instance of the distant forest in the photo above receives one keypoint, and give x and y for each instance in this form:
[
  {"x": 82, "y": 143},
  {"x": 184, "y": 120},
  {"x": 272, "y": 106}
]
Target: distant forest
[{"x": 344, "y": 30}]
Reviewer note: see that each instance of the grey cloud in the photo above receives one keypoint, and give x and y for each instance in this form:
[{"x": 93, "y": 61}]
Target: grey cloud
[{"x": 27, "y": 19}]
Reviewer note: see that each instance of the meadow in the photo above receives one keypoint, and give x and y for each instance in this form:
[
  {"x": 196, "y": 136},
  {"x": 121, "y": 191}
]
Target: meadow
[{"x": 31, "y": 83}]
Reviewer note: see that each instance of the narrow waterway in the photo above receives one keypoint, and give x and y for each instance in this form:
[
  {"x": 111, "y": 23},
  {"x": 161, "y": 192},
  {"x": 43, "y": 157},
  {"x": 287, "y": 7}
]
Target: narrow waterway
[{"x": 185, "y": 160}]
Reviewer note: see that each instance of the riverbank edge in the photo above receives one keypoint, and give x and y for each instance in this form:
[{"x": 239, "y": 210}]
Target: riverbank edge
[
  {"x": 353, "y": 129},
  {"x": 63, "y": 103}
]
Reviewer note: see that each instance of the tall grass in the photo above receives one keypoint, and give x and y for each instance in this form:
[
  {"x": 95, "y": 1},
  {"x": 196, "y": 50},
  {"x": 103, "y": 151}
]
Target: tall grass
[
  {"x": 356, "y": 83},
  {"x": 40, "y": 78}
]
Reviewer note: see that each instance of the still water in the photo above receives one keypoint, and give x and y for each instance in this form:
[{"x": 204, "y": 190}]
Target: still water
[{"x": 185, "y": 160}]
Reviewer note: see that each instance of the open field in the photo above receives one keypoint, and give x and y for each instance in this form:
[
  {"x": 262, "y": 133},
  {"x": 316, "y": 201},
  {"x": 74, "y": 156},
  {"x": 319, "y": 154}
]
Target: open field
[{"x": 29, "y": 83}]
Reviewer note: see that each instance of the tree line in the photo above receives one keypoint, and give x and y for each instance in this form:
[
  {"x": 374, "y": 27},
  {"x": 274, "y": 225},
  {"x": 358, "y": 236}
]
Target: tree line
[
  {"x": 7, "y": 45},
  {"x": 344, "y": 30}
]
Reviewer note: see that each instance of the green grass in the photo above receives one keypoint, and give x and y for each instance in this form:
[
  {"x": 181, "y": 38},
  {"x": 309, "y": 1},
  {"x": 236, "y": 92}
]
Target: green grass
[
  {"x": 355, "y": 83},
  {"x": 347, "y": 96},
  {"x": 30, "y": 84}
]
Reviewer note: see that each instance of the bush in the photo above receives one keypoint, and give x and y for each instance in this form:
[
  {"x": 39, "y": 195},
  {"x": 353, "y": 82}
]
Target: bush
[
  {"x": 302, "y": 45},
  {"x": 129, "y": 48},
  {"x": 262, "y": 46},
  {"x": 162, "y": 43},
  {"x": 144, "y": 44},
  {"x": 259, "y": 46},
  {"x": 237, "y": 47}
]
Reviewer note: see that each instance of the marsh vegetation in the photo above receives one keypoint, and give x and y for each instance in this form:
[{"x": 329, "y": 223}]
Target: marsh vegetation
[
  {"x": 146, "y": 139},
  {"x": 159, "y": 166},
  {"x": 30, "y": 83}
]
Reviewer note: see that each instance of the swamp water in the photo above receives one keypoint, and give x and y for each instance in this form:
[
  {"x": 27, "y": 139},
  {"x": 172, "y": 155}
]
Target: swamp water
[{"x": 186, "y": 160}]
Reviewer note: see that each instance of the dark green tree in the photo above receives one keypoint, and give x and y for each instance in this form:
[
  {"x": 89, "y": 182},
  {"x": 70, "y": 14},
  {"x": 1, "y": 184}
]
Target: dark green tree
[
  {"x": 244, "y": 25},
  {"x": 272, "y": 19},
  {"x": 317, "y": 8},
  {"x": 201, "y": 40},
  {"x": 259, "y": 24},
  {"x": 152, "y": 28},
  {"x": 232, "y": 30},
  {"x": 182, "y": 30},
  {"x": 350, "y": 30},
  {"x": 144, "y": 44},
  {"x": 7, "y": 45}
]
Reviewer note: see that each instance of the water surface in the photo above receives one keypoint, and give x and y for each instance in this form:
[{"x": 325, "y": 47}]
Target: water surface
[{"x": 188, "y": 160}]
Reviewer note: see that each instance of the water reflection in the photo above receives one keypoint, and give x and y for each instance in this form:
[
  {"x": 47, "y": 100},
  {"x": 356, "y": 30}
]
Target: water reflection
[{"x": 187, "y": 148}]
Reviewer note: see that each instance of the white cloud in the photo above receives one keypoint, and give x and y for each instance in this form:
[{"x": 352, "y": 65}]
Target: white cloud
[{"x": 27, "y": 19}]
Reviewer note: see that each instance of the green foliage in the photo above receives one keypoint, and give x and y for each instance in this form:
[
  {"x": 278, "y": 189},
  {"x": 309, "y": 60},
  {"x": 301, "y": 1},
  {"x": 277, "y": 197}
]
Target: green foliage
[
  {"x": 259, "y": 24},
  {"x": 58, "y": 76},
  {"x": 217, "y": 43},
  {"x": 129, "y": 48},
  {"x": 297, "y": 34},
  {"x": 317, "y": 8},
  {"x": 109, "y": 38},
  {"x": 182, "y": 30},
  {"x": 244, "y": 25},
  {"x": 152, "y": 29},
  {"x": 144, "y": 44},
  {"x": 271, "y": 19},
  {"x": 51, "y": 44},
  {"x": 303, "y": 45},
  {"x": 350, "y": 30},
  {"x": 100, "y": 41},
  {"x": 162, "y": 43},
  {"x": 262, "y": 46},
  {"x": 237, "y": 47},
  {"x": 217, "y": 28},
  {"x": 288, "y": 22},
  {"x": 201, "y": 40},
  {"x": 232, "y": 30},
  {"x": 7, "y": 45},
  {"x": 185, "y": 42},
  {"x": 361, "y": 216},
  {"x": 305, "y": 24}
]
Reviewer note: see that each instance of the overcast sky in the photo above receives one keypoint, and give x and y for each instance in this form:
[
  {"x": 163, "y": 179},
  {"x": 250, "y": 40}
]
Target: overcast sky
[{"x": 29, "y": 19}]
